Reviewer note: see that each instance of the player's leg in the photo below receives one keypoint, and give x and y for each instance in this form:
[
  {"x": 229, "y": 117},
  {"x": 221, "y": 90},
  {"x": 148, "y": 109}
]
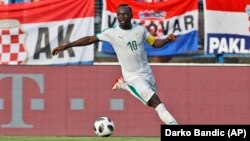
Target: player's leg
[
  {"x": 145, "y": 91},
  {"x": 160, "y": 108}
]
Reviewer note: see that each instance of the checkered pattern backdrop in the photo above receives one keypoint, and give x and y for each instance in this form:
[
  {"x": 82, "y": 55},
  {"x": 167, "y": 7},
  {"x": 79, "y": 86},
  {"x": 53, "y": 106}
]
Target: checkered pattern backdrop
[
  {"x": 156, "y": 31},
  {"x": 27, "y": 36},
  {"x": 12, "y": 50}
]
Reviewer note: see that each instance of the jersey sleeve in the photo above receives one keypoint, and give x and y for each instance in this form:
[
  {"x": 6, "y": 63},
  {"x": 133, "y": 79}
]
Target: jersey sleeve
[
  {"x": 105, "y": 35},
  {"x": 150, "y": 39}
]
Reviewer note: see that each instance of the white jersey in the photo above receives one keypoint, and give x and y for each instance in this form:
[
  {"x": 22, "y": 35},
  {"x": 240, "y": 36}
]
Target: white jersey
[{"x": 128, "y": 45}]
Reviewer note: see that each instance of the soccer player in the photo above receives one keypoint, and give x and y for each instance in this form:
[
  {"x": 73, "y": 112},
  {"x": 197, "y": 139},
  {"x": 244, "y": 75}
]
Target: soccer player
[{"x": 127, "y": 40}]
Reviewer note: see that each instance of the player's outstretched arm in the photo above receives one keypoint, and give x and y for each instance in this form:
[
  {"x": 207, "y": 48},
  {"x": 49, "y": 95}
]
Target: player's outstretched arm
[
  {"x": 80, "y": 42},
  {"x": 161, "y": 42}
]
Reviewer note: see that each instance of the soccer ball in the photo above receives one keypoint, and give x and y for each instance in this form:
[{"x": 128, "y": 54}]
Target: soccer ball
[{"x": 104, "y": 127}]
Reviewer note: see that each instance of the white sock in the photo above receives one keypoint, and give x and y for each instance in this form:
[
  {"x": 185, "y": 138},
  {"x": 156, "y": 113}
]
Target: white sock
[{"x": 164, "y": 115}]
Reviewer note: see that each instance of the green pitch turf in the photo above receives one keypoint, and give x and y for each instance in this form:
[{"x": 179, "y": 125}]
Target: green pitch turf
[{"x": 38, "y": 138}]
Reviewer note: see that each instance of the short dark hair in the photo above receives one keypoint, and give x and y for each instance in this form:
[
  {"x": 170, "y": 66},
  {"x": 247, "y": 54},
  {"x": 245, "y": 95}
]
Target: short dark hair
[{"x": 125, "y": 5}]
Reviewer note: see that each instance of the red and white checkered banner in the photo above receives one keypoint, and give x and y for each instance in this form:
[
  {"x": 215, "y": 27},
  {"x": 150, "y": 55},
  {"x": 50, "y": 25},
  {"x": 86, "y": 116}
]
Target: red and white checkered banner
[
  {"x": 12, "y": 50},
  {"x": 29, "y": 32}
]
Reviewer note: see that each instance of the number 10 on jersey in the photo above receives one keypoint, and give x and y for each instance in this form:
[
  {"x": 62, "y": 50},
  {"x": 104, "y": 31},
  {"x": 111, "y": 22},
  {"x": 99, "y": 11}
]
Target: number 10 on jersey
[{"x": 132, "y": 45}]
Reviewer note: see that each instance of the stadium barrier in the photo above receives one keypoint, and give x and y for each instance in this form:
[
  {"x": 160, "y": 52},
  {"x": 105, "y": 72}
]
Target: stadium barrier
[{"x": 66, "y": 100}]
